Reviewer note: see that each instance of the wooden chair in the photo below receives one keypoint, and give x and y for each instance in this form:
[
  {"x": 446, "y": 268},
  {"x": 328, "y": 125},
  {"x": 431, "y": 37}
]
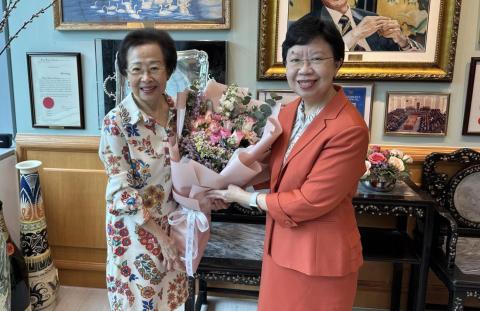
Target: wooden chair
[{"x": 453, "y": 180}]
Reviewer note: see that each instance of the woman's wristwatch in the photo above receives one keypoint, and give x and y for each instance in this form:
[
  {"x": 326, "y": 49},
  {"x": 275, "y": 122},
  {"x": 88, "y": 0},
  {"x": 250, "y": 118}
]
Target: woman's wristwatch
[{"x": 253, "y": 199}]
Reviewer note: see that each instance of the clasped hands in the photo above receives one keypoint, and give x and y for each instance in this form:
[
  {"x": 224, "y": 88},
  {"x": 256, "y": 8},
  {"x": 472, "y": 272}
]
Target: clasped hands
[
  {"x": 231, "y": 194},
  {"x": 384, "y": 26}
]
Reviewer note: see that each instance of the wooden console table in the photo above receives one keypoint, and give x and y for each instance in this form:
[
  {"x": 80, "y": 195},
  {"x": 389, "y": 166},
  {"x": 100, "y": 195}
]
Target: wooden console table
[{"x": 234, "y": 252}]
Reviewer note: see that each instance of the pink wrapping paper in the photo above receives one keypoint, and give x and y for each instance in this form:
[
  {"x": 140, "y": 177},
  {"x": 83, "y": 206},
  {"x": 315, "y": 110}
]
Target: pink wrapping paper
[{"x": 190, "y": 222}]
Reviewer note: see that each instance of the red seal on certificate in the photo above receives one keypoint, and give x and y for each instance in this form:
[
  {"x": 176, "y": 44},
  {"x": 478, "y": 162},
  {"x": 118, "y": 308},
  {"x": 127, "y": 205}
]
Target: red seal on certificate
[
  {"x": 48, "y": 102},
  {"x": 478, "y": 120}
]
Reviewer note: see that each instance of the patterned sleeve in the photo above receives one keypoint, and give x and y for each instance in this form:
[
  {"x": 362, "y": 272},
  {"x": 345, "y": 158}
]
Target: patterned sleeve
[{"x": 124, "y": 180}]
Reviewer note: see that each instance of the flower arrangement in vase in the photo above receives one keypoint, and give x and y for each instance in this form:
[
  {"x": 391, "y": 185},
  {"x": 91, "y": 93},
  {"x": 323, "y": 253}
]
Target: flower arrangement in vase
[{"x": 384, "y": 168}]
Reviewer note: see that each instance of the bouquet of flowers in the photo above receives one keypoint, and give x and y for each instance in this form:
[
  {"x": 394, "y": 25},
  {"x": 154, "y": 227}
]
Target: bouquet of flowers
[
  {"x": 214, "y": 130},
  {"x": 388, "y": 164},
  {"x": 224, "y": 137}
]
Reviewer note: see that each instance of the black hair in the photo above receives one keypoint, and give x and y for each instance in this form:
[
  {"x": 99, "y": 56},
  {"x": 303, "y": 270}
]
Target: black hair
[
  {"x": 147, "y": 36},
  {"x": 310, "y": 27}
]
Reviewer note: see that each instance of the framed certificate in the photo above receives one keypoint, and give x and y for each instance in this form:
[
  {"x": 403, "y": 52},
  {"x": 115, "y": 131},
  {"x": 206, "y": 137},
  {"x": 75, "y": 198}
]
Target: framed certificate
[{"x": 56, "y": 95}]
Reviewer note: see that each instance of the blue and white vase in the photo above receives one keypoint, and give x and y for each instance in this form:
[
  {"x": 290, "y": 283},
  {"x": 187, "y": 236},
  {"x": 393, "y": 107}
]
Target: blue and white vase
[
  {"x": 42, "y": 274},
  {"x": 4, "y": 274}
]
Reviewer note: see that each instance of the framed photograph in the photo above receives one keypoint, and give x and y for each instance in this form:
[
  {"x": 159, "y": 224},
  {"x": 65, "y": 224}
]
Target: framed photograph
[
  {"x": 471, "y": 118},
  {"x": 423, "y": 47},
  {"x": 416, "y": 113},
  {"x": 360, "y": 94},
  {"x": 56, "y": 95},
  {"x": 132, "y": 14}
]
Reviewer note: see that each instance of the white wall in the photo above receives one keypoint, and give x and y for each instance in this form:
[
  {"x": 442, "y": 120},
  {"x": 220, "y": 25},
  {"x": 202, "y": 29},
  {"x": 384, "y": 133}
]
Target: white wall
[{"x": 242, "y": 61}]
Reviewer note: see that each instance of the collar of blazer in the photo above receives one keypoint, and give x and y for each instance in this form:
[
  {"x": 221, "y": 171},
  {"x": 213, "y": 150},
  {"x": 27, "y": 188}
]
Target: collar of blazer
[{"x": 287, "y": 117}]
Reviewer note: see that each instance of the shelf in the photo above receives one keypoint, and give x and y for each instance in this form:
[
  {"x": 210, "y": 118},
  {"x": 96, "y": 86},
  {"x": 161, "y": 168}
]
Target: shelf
[{"x": 388, "y": 245}]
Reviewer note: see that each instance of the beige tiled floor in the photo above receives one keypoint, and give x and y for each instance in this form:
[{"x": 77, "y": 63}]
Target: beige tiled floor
[
  {"x": 89, "y": 299},
  {"x": 82, "y": 299}
]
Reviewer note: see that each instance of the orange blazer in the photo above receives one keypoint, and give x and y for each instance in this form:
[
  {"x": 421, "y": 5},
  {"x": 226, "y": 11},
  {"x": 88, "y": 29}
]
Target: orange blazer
[{"x": 311, "y": 224}]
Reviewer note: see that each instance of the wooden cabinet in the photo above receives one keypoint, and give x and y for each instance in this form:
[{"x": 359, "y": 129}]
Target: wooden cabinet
[{"x": 73, "y": 186}]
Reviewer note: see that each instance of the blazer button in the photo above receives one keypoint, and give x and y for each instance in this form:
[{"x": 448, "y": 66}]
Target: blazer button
[{"x": 288, "y": 223}]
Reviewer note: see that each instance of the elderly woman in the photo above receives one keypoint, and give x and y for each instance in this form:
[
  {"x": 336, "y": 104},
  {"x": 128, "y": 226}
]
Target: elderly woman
[
  {"x": 141, "y": 256},
  {"x": 312, "y": 249}
]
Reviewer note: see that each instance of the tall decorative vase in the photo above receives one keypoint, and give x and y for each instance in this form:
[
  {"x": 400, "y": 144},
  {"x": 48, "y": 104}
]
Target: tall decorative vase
[
  {"x": 4, "y": 274},
  {"x": 17, "y": 278},
  {"x": 42, "y": 274}
]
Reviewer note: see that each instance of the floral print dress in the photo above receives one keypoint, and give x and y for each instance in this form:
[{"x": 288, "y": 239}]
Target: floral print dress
[{"x": 133, "y": 148}]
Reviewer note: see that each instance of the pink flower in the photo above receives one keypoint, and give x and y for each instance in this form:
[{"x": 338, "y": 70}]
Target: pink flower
[
  {"x": 237, "y": 136},
  {"x": 215, "y": 138},
  {"x": 248, "y": 124},
  {"x": 216, "y": 117},
  {"x": 214, "y": 127},
  {"x": 227, "y": 124},
  {"x": 376, "y": 158},
  {"x": 375, "y": 148},
  {"x": 198, "y": 122},
  {"x": 225, "y": 133}
]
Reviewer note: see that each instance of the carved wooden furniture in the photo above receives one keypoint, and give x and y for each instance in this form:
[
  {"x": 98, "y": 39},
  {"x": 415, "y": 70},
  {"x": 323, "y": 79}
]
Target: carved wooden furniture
[
  {"x": 235, "y": 249},
  {"x": 453, "y": 180}
]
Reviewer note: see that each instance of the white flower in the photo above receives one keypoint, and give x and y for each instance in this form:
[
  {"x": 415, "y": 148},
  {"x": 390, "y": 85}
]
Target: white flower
[
  {"x": 368, "y": 165},
  {"x": 397, "y": 163},
  {"x": 396, "y": 153},
  {"x": 228, "y": 105},
  {"x": 407, "y": 159}
]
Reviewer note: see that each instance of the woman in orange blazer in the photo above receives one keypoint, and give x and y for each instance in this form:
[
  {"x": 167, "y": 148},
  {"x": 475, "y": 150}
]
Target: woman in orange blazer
[{"x": 312, "y": 249}]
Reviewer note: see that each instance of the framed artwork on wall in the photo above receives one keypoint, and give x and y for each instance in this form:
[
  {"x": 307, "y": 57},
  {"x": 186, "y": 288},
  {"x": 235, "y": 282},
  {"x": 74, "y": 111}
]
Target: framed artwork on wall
[
  {"x": 416, "y": 113},
  {"x": 131, "y": 14},
  {"x": 471, "y": 118},
  {"x": 423, "y": 47},
  {"x": 360, "y": 94},
  {"x": 56, "y": 95}
]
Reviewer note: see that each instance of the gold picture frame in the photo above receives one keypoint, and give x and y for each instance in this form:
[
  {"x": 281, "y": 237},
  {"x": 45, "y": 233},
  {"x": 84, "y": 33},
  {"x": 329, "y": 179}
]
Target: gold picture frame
[
  {"x": 441, "y": 48},
  {"x": 116, "y": 15}
]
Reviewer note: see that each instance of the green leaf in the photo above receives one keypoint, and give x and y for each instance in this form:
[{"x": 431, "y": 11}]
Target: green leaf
[
  {"x": 258, "y": 115},
  {"x": 246, "y": 100},
  {"x": 271, "y": 102},
  {"x": 266, "y": 110}
]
